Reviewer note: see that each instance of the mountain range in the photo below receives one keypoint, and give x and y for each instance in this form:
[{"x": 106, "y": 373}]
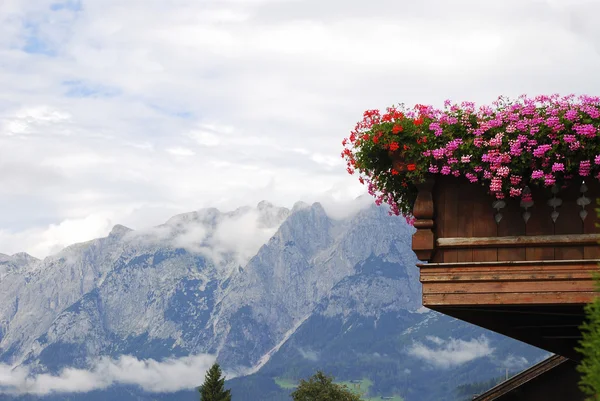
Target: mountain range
[{"x": 272, "y": 293}]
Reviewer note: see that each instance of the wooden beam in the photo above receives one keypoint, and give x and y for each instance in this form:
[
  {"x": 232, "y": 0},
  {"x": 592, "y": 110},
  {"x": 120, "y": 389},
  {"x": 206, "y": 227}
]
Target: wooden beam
[
  {"x": 494, "y": 298},
  {"x": 520, "y": 241},
  {"x": 519, "y": 310},
  {"x": 533, "y": 263},
  {"x": 509, "y": 286},
  {"x": 553, "y": 275}
]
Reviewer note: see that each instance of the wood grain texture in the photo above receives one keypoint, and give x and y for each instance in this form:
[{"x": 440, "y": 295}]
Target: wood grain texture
[
  {"x": 540, "y": 223},
  {"x": 465, "y": 230},
  {"x": 512, "y": 225},
  {"x": 508, "y": 282},
  {"x": 484, "y": 224},
  {"x": 466, "y": 218},
  {"x": 519, "y": 241},
  {"x": 423, "y": 241},
  {"x": 495, "y": 298},
  {"x": 439, "y": 201},
  {"x": 591, "y": 222},
  {"x": 451, "y": 218},
  {"x": 568, "y": 222},
  {"x": 562, "y": 284}
]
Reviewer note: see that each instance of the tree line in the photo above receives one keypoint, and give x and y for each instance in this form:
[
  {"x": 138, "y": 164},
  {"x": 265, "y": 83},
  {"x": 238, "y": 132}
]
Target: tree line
[{"x": 318, "y": 387}]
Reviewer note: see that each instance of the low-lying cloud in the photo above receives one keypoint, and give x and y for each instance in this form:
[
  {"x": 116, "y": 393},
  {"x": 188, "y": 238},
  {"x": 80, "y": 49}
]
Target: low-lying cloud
[
  {"x": 309, "y": 354},
  {"x": 513, "y": 362},
  {"x": 167, "y": 376},
  {"x": 452, "y": 352},
  {"x": 232, "y": 237}
]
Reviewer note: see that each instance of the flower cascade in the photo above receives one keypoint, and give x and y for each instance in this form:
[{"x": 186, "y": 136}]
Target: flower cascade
[{"x": 543, "y": 141}]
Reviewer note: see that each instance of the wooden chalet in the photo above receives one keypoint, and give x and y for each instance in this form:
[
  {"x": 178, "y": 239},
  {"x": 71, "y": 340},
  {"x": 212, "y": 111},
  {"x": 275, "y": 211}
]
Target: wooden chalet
[{"x": 522, "y": 269}]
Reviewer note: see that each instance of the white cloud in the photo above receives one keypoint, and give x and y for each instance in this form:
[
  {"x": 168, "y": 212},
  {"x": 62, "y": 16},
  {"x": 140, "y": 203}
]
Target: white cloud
[
  {"x": 204, "y": 138},
  {"x": 33, "y": 120},
  {"x": 446, "y": 354},
  {"x": 191, "y": 238},
  {"x": 166, "y": 376},
  {"x": 45, "y": 241},
  {"x": 327, "y": 160},
  {"x": 342, "y": 201},
  {"x": 309, "y": 354},
  {"x": 435, "y": 340},
  {"x": 243, "y": 235},
  {"x": 179, "y": 151},
  {"x": 514, "y": 362},
  {"x": 259, "y": 92},
  {"x": 223, "y": 237}
]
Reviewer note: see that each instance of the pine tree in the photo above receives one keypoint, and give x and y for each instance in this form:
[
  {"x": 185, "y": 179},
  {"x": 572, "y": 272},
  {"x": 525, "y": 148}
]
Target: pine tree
[{"x": 213, "y": 388}]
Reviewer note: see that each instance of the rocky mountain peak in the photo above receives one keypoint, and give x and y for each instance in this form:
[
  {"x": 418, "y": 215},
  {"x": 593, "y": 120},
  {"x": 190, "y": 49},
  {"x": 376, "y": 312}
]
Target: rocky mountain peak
[
  {"x": 118, "y": 231},
  {"x": 300, "y": 206}
]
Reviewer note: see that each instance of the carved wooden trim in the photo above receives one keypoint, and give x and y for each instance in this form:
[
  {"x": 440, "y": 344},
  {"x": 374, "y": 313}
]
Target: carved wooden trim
[
  {"x": 423, "y": 241},
  {"x": 519, "y": 241}
]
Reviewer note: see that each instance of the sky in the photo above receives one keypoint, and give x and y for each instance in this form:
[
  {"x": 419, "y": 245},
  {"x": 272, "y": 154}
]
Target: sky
[{"x": 131, "y": 111}]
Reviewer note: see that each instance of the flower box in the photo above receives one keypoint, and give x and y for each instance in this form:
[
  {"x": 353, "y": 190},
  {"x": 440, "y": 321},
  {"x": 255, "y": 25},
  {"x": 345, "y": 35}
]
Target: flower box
[{"x": 503, "y": 201}]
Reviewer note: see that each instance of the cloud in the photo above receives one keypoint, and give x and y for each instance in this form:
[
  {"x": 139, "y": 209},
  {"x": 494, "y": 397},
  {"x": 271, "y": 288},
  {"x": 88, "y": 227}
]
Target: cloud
[
  {"x": 45, "y": 241},
  {"x": 223, "y": 237},
  {"x": 199, "y": 103},
  {"x": 237, "y": 236},
  {"x": 435, "y": 340},
  {"x": 179, "y": 151},
  {"x": 309, "y": 355},
  {"x": 446, "y": 354},
  {"x": 515, "y": 362},
  {"x": 167, "y": 376},
  {"x": 342, "y": 202}
]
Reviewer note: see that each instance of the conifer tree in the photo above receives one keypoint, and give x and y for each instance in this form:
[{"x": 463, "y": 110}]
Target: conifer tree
[{"x": 213, "y": 388}]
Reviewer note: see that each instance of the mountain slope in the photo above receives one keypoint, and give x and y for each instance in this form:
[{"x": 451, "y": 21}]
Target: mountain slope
[{"x": 129, "y": 291}]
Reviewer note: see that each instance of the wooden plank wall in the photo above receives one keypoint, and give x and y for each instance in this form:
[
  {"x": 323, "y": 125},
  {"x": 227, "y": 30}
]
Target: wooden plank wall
[
  {"x": 590, "y": 225},
  {"x": 498, "y": 283},
  {"x": 463, "y": 209}
]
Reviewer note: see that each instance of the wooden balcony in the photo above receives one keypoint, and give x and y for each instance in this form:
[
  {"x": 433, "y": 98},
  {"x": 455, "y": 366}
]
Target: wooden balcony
[{"x": 523, "y": 270}]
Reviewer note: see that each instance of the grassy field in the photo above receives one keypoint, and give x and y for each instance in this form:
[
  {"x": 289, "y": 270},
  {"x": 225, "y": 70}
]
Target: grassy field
[
  {"x": 396, "y": 398},
  {"x": 360, "y": 388},
  {"x": 286, "y": 383}
]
